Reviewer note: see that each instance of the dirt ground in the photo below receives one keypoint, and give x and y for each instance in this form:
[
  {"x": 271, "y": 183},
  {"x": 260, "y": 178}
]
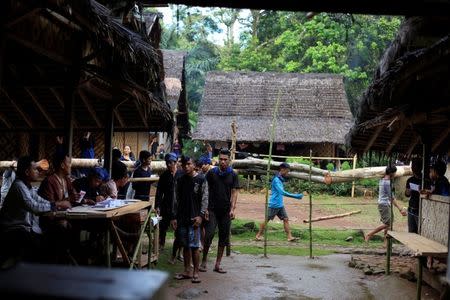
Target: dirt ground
[{"x": 251, "y": 207}]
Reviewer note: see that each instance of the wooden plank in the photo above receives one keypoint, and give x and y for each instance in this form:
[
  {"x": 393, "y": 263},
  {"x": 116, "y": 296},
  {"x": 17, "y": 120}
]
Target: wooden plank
[
  {"x": 89, "y": 107},
  {"x": 420, "y": 245},
  {"x": 119, "y": 243},
  {"x": 25, "y": 117},
  {"x": 40, "y": 107}
]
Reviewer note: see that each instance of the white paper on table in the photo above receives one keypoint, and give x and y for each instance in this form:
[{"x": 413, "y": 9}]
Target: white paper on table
[{"x": 414, "y": 187}]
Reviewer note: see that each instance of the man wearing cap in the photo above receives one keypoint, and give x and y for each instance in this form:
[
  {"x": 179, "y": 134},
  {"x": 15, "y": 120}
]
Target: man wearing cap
[
  {"x": 276, "y": 205},
  {"x": 205, "y": 163},
  {"x": 164, "y": 196}
]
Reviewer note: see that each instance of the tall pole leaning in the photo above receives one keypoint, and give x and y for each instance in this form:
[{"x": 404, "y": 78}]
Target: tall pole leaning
[
  {"x": 310, "y": 205},
  {"x": 272, "y": 136}
]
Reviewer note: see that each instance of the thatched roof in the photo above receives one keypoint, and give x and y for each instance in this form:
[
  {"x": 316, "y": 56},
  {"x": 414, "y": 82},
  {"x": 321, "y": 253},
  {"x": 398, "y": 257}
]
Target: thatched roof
[
  {"x": 55, "y": 46},
  {"x": 174, "y": 66},
  {"x": 408, "y": 102},
  {"x": 313, "y": 107},
  {"x": 175, "y": 82}
]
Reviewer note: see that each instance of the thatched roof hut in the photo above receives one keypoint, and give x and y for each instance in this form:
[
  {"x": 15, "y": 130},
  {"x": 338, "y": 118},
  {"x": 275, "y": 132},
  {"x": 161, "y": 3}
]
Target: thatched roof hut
[
  {"x": 58, "y": 45},
  {"x": 407, "y": 104},
  {"x": 59, "y": 52},
  {"x": 175, "y": 82},
  {"x": 313, "y": 107}
]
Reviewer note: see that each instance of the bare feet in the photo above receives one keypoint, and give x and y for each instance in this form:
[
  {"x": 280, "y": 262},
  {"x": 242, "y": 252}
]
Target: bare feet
[
  {"x": 258, "y": 238},
  {"x": 292, "y": 239},
  {"x": 367, "y": 238}
]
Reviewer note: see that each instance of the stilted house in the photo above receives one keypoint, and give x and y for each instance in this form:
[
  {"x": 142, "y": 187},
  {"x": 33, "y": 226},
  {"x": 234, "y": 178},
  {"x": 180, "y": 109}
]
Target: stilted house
[
  {"x": 313, "y": 112},
  {"x": 68, "y": 67},
  {"x": 405, "y": 112}
]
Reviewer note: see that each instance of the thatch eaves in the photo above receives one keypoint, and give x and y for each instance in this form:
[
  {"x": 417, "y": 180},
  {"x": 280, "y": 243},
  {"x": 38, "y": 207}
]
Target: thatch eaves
[
  {"x": 55, "y": 46},
  {"x": 407, "y": 103},
  {"x": 313, "y": 107}
]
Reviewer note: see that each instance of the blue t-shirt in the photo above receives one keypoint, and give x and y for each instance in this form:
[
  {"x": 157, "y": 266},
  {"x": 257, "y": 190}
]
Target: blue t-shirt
[{"x": 276, "y": 197}]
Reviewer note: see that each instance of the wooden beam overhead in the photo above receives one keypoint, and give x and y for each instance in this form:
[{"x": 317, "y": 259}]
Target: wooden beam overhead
[
  {"x": 89, "y": 107},
  {"x": 37, "y": 48},
  {"x": 377, "y": 7},
  {"x": 40, "y": 107},
  {"x": 25, "y": 117},
  {"x": 441, "y": 138},
  {"x": 373, "y": 138},
  {"x": 397, "y": 136},
  {"x": 119, "y": 118},
  {"x": 412, "y": 146},
  {"x": 22, "y": 17},
  {"x": 141, "y": 113},
  {"x": 5, "y": 121}
]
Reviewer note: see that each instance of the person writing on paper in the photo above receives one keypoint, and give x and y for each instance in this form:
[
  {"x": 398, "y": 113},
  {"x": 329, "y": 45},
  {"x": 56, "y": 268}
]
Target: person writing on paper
[
  {"x": 90, "y": 185},
  {"x": 276, "y": 205},
  {"x": 385, "y": 200},
  {"x": 412, "y": 190}
]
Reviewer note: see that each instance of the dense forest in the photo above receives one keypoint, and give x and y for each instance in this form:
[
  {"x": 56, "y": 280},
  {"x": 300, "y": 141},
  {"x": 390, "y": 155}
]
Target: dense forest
[{"x": 277, "y": 41}]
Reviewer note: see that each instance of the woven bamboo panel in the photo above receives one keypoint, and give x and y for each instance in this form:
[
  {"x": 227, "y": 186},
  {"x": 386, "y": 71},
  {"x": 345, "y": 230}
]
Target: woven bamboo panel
[
  {"x": 435, "y": 221},
  {"x": 8, "y": 146}
]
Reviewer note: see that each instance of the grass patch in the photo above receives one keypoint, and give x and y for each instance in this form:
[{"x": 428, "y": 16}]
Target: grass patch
[
  {"x": 276, "y": 250},
  {"x": 242, "y": 230}
]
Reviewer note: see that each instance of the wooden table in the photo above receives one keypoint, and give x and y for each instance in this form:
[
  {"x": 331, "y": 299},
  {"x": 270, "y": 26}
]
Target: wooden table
[
  {"x": 67, "y": 282},
  {"x": 88, "y": 212}
]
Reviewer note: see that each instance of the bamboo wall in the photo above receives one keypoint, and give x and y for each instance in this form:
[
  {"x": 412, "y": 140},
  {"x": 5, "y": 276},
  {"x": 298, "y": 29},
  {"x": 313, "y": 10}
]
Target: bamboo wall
[
  {"x": 435, "y": 223},
  {"x": 13, "y": 145}
]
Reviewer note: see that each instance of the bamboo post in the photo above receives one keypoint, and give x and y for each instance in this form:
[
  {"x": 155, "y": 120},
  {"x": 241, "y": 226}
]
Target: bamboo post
[
  {"x": 272, "y": 136},
  {"x": 353, "y": 182},
  {"x": 233, "y": 154},
  {"x": 389, "y": 239},
  {"x": 310, "y": 205}
]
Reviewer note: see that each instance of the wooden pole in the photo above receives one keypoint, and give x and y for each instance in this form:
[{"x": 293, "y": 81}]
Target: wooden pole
[
  {"x": 353, "y": 182},
  {"x": 310, "y": 205},
  {"x": 391, "y": 226},
  {"x": 272, "y": 137},
  {"x": 108, "y": 135},
  {"x": 333, "y": 216},
  {"x": 233, "y": 154}
]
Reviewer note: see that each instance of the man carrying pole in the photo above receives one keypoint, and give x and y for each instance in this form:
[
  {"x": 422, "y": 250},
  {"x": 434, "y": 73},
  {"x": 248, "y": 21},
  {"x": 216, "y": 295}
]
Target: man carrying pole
[{"x": 276, "y": 205}]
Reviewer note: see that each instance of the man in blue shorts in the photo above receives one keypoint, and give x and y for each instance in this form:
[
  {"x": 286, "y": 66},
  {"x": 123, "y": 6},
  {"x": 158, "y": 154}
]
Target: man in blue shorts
[
  {"x": 276, "y": 205},
  {"x": 190, "y": 205}
]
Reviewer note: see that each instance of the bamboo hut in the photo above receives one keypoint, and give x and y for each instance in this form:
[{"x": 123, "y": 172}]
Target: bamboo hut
[
  {"x": 313, "y": 113},
  {"x": 70, "y": 67}
]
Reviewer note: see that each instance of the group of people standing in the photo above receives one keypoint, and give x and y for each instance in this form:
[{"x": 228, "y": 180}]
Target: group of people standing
[{"x": 195, "y": 201}]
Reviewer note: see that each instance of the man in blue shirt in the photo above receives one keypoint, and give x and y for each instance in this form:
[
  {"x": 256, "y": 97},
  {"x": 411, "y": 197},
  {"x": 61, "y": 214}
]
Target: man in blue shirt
[{"x": 276, "y": 205}]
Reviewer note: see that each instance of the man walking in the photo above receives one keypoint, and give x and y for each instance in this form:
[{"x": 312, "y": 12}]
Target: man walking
[
  {"x": 191, "y": 202},
  {"x": 276, "y": 205},
  {"x": 223, "y": 187}
]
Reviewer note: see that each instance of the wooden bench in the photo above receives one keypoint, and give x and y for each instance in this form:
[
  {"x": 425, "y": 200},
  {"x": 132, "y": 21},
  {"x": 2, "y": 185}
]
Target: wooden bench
[{"x": 434, "y": 224}]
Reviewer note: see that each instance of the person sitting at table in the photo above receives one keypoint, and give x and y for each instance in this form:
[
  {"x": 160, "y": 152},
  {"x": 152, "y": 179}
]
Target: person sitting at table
[
  {"x": 55, "y": 188},
  {"x": 142, "y": 189},
  {"x": 119, "y": 178},
  {"x": 21, "y": 234},
  {"x": 91, "y": 185}
]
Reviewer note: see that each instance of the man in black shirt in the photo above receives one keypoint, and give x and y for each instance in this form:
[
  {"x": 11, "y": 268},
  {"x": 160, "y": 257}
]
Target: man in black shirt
[
  {"x": 413, "y": 186},
  {"x": 223, "y": 187},
  {"x": 190, "y": 205},
  {"x": 142, "y": 188},
  {"x": 164, "y": 196}
]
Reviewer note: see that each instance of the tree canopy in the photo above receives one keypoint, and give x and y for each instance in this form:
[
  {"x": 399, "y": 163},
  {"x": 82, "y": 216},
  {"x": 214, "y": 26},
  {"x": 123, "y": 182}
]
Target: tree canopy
[{"x": 277, "y": 41}]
